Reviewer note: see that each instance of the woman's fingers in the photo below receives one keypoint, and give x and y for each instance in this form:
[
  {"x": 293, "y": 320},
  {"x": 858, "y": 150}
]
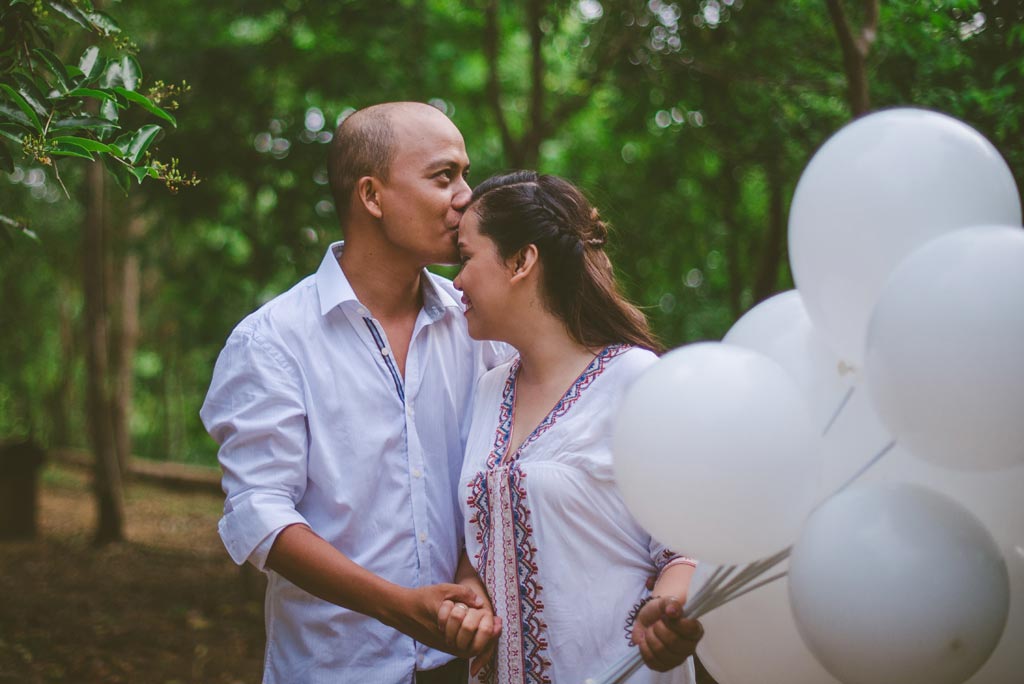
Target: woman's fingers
[
  {"x": 454, "y": 623},
  {"x": 470, "y": 624}
]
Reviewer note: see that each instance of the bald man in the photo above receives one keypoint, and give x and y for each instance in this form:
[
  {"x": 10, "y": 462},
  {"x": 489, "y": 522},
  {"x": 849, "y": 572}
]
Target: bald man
[{"x": 339, "y": 407}]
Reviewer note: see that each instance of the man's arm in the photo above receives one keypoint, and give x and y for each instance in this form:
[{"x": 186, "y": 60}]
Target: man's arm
[{"x": 311, "y": 563}]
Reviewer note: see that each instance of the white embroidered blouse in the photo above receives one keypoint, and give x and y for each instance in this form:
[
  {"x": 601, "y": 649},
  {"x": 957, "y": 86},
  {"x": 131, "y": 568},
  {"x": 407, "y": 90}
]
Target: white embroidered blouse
[{"x": 563, "y": 560}]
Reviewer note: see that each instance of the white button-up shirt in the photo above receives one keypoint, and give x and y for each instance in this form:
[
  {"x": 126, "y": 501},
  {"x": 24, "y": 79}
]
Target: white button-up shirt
[{"x": 317, "y": 426}]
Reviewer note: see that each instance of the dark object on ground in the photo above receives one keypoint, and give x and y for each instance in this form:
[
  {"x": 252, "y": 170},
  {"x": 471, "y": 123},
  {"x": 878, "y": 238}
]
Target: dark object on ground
[{"x": 20, "y": 462}]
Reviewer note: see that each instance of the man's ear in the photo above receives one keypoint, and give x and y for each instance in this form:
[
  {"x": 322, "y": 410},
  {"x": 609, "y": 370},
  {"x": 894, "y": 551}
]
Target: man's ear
[
  {"x": 367, "y": 192},
  {"x": 524, "y": 262}
]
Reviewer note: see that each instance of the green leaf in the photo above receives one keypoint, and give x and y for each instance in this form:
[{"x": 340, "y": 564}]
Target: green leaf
[
  {"x": 103, "y": 23},
  {"x": 123, "y": 73},
  {"x": 122, "y": 143},
  {"x": 139, "y": 172},
  {"x": 33, "y": 94},
  {"x": 63, "y": 150},
  {"x": 91, "y": 63},
  {"x": 84, "y": 122},
  {"x": 16, "y": 98},
  {"x": 71, "y": 12},
  {"x": 12, "y": 113},
  {"x": 6, "y": 160},
  {"x": 90, "y": 92},
  {"x": 120, "y": 173},
  {"x": 131, "y": 72},
  {"x": 108, "y": 111},
  {"x": 88, "y": 144},
  {"x": 141, "y": 141},
  {"x": 146, "y": 104},
  {"x": 12, "y": 133},
  {"x": 56, "y": 66}
]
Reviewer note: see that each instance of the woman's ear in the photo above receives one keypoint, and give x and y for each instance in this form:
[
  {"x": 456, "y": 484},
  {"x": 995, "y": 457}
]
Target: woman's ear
[
  {"x": 369, "y": 197},
  {"x": 524, "y": 262}
]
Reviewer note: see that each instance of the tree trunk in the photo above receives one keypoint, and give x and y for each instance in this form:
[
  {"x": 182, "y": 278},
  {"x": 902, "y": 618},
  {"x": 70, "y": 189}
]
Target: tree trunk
[
  {"x": 125, "y": 333},
  {"x": 855, "y": 51},
  {"x": 108, "y": 481},
  {"x": 772, "y": 247},
  {"x": 58, "y": 400}
]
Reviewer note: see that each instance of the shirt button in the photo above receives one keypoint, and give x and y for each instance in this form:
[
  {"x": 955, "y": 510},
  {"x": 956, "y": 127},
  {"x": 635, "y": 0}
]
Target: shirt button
[
  {"x": 361, "y": 311},
  {"x": 423, "y": 536},
  {"x": 385, "y": 351},
  {"x": 417, "y": 472}
]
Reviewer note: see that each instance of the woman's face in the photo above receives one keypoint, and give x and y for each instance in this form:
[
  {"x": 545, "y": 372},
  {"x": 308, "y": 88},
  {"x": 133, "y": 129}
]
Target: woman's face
[{"x": 483, "y": 280}]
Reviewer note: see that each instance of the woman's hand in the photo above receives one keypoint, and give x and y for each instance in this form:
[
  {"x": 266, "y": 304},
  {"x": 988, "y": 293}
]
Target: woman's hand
[
  {"x": 665, "y": 638},
  {"x": 473, "y": 631}
]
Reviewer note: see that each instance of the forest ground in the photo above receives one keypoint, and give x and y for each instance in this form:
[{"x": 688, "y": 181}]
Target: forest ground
[{"x": 167, "y": 606}]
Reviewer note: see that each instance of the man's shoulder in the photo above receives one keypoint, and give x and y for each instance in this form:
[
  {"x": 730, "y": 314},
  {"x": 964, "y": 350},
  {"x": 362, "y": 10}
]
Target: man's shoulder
[{"x": 289, "y": 310}]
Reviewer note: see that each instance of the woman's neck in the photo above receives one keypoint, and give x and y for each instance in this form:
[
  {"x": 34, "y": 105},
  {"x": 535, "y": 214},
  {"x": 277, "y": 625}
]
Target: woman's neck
[{"x": 549, "y": 354}]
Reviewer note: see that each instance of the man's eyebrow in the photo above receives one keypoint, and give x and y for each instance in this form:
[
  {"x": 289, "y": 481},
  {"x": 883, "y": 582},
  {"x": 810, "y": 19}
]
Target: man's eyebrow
[{"x": 445, "y": 163}]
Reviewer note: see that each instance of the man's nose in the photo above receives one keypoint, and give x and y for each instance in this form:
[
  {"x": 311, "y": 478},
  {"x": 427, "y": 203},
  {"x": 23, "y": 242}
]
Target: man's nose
[{"x": 462, "y": 195}]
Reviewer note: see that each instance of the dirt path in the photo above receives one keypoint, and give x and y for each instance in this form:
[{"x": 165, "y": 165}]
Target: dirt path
[{"x": 165, "y": 607}]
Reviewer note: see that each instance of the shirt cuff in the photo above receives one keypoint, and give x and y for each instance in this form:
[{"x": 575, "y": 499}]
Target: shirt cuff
[{"x": 250, "y": 527}]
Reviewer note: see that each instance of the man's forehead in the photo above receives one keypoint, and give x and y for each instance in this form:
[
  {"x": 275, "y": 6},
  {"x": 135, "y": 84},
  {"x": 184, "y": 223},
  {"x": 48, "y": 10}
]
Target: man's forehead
[{"x": 434, "y": 135}]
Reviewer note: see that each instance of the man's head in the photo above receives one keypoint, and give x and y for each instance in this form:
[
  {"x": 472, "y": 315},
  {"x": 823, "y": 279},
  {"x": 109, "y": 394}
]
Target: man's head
[{"x": 399, "y": 169}]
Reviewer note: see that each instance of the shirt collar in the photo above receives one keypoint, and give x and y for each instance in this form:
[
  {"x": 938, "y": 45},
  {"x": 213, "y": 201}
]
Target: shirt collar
[
  {"x": 334, "y": 289},
  {"x": 331, "y": 283}
]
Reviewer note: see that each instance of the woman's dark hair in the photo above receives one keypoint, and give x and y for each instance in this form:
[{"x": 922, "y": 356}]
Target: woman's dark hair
[{"x": 522, "y": 208}]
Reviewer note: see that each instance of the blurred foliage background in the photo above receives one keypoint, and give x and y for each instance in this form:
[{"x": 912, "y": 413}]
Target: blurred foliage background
[{"x": 687, "y": 122}]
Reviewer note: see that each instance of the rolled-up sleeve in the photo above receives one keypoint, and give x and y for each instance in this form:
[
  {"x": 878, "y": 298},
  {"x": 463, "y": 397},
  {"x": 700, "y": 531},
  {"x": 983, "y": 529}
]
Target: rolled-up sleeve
[{"x": 255, "y": 410}]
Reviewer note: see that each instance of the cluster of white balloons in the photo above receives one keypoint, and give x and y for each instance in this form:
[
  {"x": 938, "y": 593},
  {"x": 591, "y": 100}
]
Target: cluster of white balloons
[{"x": 907, "y": 326}]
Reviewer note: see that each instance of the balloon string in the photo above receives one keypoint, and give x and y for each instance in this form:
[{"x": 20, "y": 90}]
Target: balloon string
[
  {"x": 864, "y": 468},
  {"x": 729, "y": 582},
  {"x": 839, "y": 409}
]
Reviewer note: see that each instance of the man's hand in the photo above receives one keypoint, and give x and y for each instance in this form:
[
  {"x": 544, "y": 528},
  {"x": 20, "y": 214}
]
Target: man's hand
[
  {"x": 665, "y": 638},
  {"x": 473, "y": 631},
  {"x": 418, "y": 614}
]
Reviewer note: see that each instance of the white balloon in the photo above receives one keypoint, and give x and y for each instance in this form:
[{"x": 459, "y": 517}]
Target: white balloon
[
  {"x": 945, "y": 352},
  {"x": 714, "y": 453},
  {"x": 754, "y": 640},
  {"x": 780, "y": 328},
  {"x": 877, "y": 189},
  {"x": 994, "y": 496},
  {"x": 893, "y": 583}
]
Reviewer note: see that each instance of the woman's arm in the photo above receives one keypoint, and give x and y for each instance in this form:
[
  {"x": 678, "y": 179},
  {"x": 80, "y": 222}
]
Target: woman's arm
[
  {"x": 470, "y": 629},
  {"x": 666, "y": 638}
]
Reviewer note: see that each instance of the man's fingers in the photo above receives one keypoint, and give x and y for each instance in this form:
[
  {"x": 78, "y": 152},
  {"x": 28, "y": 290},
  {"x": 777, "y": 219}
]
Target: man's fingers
[
  {"x": 462, "y": 594},
  {"x": 443, "y": 612}
]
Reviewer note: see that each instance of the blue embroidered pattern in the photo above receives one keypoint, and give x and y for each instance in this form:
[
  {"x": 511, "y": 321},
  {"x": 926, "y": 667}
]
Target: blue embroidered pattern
[
  {"x": 506, "y": 413},
  {"x": 500, "y": 486}
]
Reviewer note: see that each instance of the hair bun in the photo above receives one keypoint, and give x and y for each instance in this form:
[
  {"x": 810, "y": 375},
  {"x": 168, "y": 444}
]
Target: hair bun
[{"x": 598, "y": 229}]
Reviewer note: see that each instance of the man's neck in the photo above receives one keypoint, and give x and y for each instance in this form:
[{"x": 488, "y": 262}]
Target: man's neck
[{"x": 389, "y": 287}]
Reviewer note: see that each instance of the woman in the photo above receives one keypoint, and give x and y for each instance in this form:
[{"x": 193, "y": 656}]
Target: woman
[{"x": 564, "y": 563}]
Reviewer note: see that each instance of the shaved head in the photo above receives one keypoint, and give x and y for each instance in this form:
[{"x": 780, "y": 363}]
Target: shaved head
[{"x": 365, "y": 145}]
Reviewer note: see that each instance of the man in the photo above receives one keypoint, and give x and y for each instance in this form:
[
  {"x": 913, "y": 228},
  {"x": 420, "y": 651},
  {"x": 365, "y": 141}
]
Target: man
[{"x": 338, "y": 407}]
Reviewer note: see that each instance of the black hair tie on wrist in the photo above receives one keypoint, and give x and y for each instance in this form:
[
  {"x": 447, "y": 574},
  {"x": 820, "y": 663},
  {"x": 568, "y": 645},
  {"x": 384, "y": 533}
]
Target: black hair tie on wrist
[{"x": 633, "y": 613}]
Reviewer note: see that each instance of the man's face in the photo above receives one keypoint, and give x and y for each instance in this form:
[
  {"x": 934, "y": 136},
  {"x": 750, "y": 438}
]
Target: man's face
[{"x": 426, "y": 191}]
